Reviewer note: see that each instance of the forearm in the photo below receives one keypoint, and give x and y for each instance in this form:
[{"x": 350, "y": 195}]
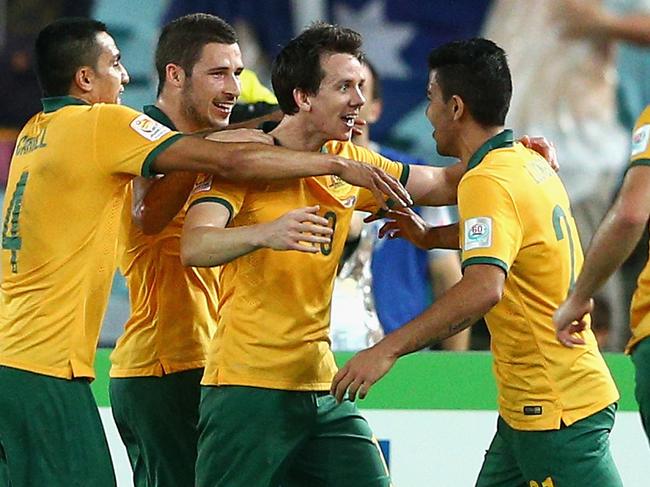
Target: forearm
[
  {"x": 212, "y": 246},
  {"x": 244, "y": 161},
  {"x": 449, "y": 315},
  {"x": 442, "y": 237},
  {"x": 631, "y": 28},
  {"x": 162, "y": 201},
  {"x": 610, "y": 247}
]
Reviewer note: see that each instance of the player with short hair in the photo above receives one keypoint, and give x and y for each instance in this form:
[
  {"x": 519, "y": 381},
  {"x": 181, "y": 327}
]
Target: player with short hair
[
  {"x": 520, "y": 252},
  {"x": 65, "y": 193}
]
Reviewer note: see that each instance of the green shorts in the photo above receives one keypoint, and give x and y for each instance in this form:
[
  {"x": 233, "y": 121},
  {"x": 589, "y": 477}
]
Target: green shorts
[
  {"x": 265, "y": 438},
  {"x": 157, "y": 419},
  {"x": 51, "y": 433},
  {"x": 641, "y": 360},
  {"x": 575, "y": 455}
]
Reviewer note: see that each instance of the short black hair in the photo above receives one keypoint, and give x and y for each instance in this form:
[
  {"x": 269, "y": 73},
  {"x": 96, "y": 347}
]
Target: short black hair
[
  {"x": 376, "y": 80},
  {"x": 62, "y": 48},
  {"x": 182, "y": 40},
  {"x": 298, "y": 65},
  {"x": 477, "y": 71}
]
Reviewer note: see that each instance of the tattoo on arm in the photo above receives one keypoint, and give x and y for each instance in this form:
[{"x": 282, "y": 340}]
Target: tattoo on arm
[{"x": 455, "y": 328}]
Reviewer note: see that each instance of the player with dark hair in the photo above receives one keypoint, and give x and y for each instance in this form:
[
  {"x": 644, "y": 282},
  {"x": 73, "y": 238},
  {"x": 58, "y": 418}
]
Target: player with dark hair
[
  {"x": 520, "y": 252},
  {"x": 66, "y": 188}
]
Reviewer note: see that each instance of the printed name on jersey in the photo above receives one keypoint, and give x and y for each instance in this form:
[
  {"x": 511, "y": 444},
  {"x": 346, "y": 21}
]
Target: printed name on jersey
[
  {"x": 478, "y": 233},
  {"x": 640, "y": 140},
  {"x": 203, "y": 183},
  {"x": 149, "y": 128}
]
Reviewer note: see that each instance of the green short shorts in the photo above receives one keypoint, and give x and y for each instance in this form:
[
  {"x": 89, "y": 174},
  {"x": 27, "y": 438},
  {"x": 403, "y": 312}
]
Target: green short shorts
[
  {"x": 51, "y": 433},
  {"x": 571, "y": 456},
  {"x": 265, "y": 438},
  {"x": 641, "y": 360},
  {"x": 157, "y": 419}
]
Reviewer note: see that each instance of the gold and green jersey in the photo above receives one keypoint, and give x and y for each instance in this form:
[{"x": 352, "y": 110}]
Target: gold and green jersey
[
  {"x": 274, "y": 307},
  {"x": 514, "y": 214},
  {"x": 173, "y": 308},
  {"x": 68, "y": 179},
  {"x": 640, "y": 307}
]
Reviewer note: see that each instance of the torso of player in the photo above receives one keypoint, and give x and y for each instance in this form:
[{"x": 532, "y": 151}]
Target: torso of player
[
  {"x": 173, "y": 308},
  {"x": 275, "y": 306},
  {"x": 640, "y": 307},
  {"x": 541, "y": 383},
  {"x": 65, "y": 193}
]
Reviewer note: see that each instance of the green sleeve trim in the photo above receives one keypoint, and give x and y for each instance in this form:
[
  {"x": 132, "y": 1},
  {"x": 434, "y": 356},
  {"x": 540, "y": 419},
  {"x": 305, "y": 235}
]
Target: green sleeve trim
[
  {"x": 406, "y": 172},
  {"x": 215, "y": 199},
  {"x": 640, "y": 162},
  {"x": 146, "y": 166},
  {"x": 485, "y": 260}
]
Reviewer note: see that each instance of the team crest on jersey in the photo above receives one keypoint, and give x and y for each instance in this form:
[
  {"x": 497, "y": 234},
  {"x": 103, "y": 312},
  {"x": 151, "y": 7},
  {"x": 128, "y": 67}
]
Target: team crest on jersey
[
  {"x": 478, "y": 233},
  {"x": 149, "y": 128},
  {"x": 203, "y": 183},
  {"x": 640, "y": 140}
]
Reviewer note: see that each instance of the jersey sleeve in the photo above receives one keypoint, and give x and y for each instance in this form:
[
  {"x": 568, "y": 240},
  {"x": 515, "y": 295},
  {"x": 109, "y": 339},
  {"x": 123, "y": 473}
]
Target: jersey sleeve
[
  {"x": 127, "y": 141},
  {"x": 366, "y": 200},
  {"x": 490, "y": 229},
  {"x": 640, "y": 147},
  {"x": 207, "y": 189}
]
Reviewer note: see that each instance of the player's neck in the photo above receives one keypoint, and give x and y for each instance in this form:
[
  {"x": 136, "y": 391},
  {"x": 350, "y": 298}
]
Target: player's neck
[
  {"x": 470, "y": 140},
  {"x": 292, "y": 133},
  {"x": 171, "y": 107}
]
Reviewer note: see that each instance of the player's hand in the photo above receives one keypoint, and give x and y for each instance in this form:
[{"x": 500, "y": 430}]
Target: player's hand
[
  {"x": 359, "y": 374},
  {"x": 300, "y": 229},
  {"x": 359, "y": 126},
  {"x": 407, "y": 224},
  {"x": 543, "y": 147},
  {"x": 569, "y": 320},
  {"x": 241, "y": 135},
  {"x": 383, "y": 186}
]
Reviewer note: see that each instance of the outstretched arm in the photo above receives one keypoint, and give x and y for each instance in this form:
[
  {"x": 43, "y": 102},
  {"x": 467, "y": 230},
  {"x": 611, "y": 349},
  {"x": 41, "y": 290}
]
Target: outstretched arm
[
  {"x": 206, "y": 242},
  {"x": 613, "y": 242},
  {"x": 474, "y": 295}
]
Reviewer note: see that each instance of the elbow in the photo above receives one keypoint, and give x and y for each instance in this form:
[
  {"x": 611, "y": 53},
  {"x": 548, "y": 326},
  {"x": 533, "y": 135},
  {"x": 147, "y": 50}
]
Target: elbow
[
  {"x": 490, "y": 295},
  {"x": 631, "y": 216},
  {"x": 189, "y": 255},
  {"x": 146, "y": 224}
]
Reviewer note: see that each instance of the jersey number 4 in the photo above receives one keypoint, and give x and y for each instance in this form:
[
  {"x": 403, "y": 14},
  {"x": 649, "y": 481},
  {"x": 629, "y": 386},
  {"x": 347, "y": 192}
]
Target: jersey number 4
[{"x": 10, "y": 229}]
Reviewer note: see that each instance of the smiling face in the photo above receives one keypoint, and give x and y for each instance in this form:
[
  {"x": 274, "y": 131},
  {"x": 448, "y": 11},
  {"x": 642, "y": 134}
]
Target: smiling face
[
  {"x": 209, "y": 94},
  {"x": 109, "y": 76},
  {"x": 441, "y": 115},
  {"x": 333, "y": 110}
]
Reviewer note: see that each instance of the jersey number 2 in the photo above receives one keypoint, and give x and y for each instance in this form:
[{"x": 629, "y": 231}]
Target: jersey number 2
[
  {"x": 10, "y": 229},
  {"x": 558, "y": 217}
]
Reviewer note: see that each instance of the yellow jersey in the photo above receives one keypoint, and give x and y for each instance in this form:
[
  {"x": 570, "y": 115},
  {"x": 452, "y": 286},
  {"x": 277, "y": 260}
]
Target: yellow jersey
[
  {"x": 274, "y": 307},
  {"x": 173, "y": 308},
  {"x": 640, "y": 306},
  {"x": 514, "y": 213},
  {"x": 67, "y": 183}
]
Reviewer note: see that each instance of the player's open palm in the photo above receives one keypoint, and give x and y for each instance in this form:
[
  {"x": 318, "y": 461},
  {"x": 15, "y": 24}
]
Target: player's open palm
[
  {"x": 570, "y": 319},
  {"x": 359, "y": 374},
  {"x": 302, "y": 229}
]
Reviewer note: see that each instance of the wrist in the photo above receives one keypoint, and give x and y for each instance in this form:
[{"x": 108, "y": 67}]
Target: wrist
[{"x": 338, "y": 165}]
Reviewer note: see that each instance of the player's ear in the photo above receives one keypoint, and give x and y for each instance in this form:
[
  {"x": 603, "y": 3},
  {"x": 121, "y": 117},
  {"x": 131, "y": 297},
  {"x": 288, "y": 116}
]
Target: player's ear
[
  {"x": 302, "y": 100},
  {"x": 457, "y": 107},
  {"x": 84, "y": 78},
  {"x": 175, "y": 75}
]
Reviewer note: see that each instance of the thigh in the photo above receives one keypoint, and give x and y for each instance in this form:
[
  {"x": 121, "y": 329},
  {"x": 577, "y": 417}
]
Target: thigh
[
  {"x": 341, "y": 452},
  {"x": 157, "y": 419},
  {"x": 51, "y": 432},
  {"x": 641, "y": 360},
  {"x": 500, "y": 467},
  {"x": 574, "y": 455},
  {"x": 247, "y": 434}
]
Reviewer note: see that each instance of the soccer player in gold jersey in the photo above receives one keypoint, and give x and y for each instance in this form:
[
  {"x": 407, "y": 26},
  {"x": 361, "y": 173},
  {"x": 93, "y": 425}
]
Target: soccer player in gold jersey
[
  {"x": 521, "y": 253},
  {"x": 618, "y": 235},
  {"x": 66, "y": 189}
]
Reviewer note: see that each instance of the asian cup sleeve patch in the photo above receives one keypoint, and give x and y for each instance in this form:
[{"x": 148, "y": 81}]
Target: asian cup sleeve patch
[
  {"x": 478, "y": 233},
  {"x": 640, "y": 140},
  {"x": 148, "y": 128}
]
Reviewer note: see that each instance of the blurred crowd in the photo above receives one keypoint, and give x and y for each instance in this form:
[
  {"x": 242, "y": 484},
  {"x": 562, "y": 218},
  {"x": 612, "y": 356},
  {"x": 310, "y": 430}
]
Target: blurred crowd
[{"x": 580, "y": 71}]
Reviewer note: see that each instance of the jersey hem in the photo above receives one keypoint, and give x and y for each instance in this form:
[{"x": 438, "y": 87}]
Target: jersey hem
[
  {"x": 59, "y": 372},
  {"x": 284, "y": 386},
  {"x": 159, "y": 369}
]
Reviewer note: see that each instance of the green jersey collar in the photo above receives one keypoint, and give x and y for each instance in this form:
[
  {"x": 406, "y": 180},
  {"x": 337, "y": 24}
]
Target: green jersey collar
[
  {"x": 159, "y": 116},
  {"x": 502, "y": 139},
  {"x": 53, "y": 103}
]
